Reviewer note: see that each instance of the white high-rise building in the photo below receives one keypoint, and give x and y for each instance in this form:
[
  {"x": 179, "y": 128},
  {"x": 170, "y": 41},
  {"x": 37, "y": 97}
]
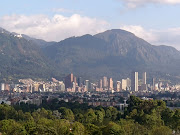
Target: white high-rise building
[
  {"x": 2, "y": 86},
  {"x": 87, "y": 84},
  {"x": 118, "y": 86},
  {"x": 128, "y": 82},
  {"x": 110, "y": 84},
  {"x": 124, "y": 84},
  {"x": 62, "y": 86},
  {"x": 134, "y": 81},
  {"x": 105, "y": 82},
  {"x": 144, "y": 78},
  {"x": 153, "y": 83}
]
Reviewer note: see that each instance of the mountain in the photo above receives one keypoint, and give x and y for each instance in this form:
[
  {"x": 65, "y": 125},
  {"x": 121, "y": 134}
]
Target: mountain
[
  {"x": 112, "y": 53},
  {"x": 41, "y": 43},
  {"x": 123, "y": 43},
  {"x": 21, "y": 58}
]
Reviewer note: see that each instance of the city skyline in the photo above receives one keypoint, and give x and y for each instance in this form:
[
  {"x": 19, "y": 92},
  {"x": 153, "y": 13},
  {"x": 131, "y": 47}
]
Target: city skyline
[
  {"x": 90, "y": 67},
  {"x": 105, "y": 84}
]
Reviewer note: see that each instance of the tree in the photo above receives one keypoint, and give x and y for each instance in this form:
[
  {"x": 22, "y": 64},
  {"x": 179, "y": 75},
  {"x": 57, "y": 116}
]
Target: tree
[
  {"x": 134, "y": 103},
  {"x": 45, "y": 130},
  {"x": 92, "y": 129},
  {"x": 45, "y": 121},
  {"x": 151, "y": 121},
  {"x": 56, "y": 114},
  {"x": 100, "y": 117},
  {"x": 90, "y": 116},
  {"x": 113, "y": 129},
  {"x": 111, "y": 113},
  {"x": 30, "y": 127},
  {"x": 66, "y": 113},
  {"x": 108, "y": 114},
  {"x": 20, "y": 115},
  {"x": 102, "y": 110},
  {"x": 28, "y": 117},
  {"x": 36, "y": 116},
  {"x": 114, "y": 113},
  {"x": 79, "y": 117},
  {"x": 10, "y": 127},
  {"x": 176, "y": 120},
  {"x": 162, "y": 130},
  {"x": 132, "y": 128},
  {"x": 62, "y": 126},
  {"x": 7, "y": 112},
  {"x": 78, "y": 128},
  {"x": 167, "y": 117}
]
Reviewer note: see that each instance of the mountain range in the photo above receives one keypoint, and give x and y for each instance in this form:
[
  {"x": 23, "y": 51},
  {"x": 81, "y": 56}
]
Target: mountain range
[{"x": 113, "y": 53}]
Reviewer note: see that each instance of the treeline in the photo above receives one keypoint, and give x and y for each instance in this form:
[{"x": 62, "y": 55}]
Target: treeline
[{"x": 142, "y": 117}]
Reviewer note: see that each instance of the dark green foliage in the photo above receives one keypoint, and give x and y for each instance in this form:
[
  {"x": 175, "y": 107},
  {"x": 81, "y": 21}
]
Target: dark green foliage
[
  {"x": 113, "y": 129},
  {"x": 92, "y": 129},
  {"x": 90, "y": 116},
  {"x": 7, "y": 112},
  {"x": 66, "y": 113},
  {"x": 143, "y": 118},
  {"x": 162, "y": 130},
  {"x": 132, "y": 128},
  {"x": 100, "y": 117},
  {"x": 78, "y": 128},
  {"x": 11, "y": 127}
]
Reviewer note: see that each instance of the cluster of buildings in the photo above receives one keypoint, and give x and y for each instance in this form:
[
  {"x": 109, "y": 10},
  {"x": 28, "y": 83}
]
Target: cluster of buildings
[
  {"x": 30, "y": 86},
  {"x": 73, "y": 84},
  {"x": 133, "y": 84},
  {"x": 105, "y": 92}
]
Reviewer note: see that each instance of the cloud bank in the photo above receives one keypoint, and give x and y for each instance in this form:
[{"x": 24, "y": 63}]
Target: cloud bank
[
  {"x": 156, "y": 37},
  {"x": 53, "y": 28},
  {"x": 136, "y": 3},
  {"x": 59, "y": 27}
]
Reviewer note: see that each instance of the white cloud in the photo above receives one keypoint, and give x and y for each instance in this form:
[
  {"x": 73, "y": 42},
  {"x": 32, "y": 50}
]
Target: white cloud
[
  {"x": 140, "y": 32},
  {"x": 136, "y": 3},
  {"x": 157, "y": 37},
  {"x": 60, "y": 27},
  {"x": 53, "y": 28}
]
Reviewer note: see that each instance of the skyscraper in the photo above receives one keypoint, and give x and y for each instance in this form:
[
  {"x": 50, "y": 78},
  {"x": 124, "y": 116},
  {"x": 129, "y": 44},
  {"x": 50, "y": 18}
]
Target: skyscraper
[
  {"x": 134, "y": 81},
  {"x": 160, "y": 85},
  {"x": 124, "y": 84},
  {"x": 128, "y": 82},
  {"x": 144, "y": 78},
  {"x": 74, "y": 80},
  {"x": 118, "y": 86},
  {"x": 100, "y": 83},
  {"x": 62, "y": 86},
  {"x": 105, "y": 82},
  {"x": 110, "y": 84},
  {"x": 91, "y": 86},
  {"x": 69, "y": 80},
  {"x": 153, "y": 83},
  {"x": 87, "y": 84},
  {"x": 2, "y": 86},
  {"x": 79, "y": 81}
]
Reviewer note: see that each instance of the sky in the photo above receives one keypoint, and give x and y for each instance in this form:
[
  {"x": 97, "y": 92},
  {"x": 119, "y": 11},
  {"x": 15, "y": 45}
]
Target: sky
[{"x": 156, "y": 21}]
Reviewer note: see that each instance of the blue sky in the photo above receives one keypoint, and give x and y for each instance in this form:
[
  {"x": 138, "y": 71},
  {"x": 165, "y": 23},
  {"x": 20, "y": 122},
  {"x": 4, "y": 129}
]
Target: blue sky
[{"x": 157, "y": 22}]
